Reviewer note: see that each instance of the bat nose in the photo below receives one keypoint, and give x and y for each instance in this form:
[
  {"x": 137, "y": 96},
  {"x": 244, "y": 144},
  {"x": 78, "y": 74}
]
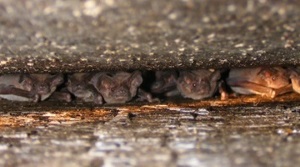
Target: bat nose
[
  {"x": 43, "y": 88},
  {"x": 79, "y": 86},
  {"x": 203, "y": 88},
  {"x": 121, "y": 93},
  {"x": 156, "y": 86}
]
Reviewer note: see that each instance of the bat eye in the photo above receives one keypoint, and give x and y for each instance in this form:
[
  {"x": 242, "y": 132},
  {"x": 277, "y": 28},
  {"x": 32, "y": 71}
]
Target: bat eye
[
  {"x": 194, "y": 84},
  {"x": 273, "y": 78}
]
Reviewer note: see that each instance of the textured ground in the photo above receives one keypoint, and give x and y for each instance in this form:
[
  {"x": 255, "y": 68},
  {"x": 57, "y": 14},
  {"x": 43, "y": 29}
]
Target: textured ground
[
  {"x": 234, "y": 136},
  {"x": 207, "y": 133}
]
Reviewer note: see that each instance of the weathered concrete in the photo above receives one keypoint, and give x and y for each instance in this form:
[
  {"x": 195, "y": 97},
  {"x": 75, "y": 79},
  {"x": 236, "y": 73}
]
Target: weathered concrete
[
  {"x": 226, "y": 136},
  {"x": 19, "y": 114},
  {"x": 74, "y": 35},
  {"x": 190, "y": 133}
]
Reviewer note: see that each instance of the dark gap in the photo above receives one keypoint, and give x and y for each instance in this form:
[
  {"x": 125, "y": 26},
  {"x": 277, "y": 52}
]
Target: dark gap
[{"x": 149, "y": 86}]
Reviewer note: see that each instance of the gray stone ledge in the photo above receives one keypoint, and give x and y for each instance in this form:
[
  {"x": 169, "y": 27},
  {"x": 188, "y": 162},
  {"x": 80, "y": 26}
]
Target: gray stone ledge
[{"x": 74, "y": 35}]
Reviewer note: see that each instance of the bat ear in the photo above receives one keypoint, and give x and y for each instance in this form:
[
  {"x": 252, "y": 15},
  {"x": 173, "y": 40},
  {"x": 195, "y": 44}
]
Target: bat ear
[
  {"x": 172, "y": 78},
  {"x": 89, "y": 76},
  {"x": 185, "y": 77},
  {"x": 106, "y": 82},
  {"x": 216, "y": 75},
  {"x": 136, "y": 79},
  {"x": 26, "y": 81},
  {"x": 24, "y": 77},
  {"x": 70, "y": 78},
  {"x": 158, "y": 74},
  {"x": 267, "y": 72},
  {"x": 57, "y": 79}
]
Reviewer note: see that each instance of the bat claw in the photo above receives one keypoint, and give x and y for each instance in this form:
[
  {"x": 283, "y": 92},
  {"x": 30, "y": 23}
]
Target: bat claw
[
  {"x": 36, "y": 98},
  {"x": 68, "y": 98},
  {"x": 98, "y": 100}
]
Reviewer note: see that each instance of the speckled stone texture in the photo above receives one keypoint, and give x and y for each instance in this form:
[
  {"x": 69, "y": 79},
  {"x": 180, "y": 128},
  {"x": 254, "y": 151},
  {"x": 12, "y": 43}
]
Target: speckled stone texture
[
  {"x": 229, "y": 137},
  {"x": 74, "y": 35}
]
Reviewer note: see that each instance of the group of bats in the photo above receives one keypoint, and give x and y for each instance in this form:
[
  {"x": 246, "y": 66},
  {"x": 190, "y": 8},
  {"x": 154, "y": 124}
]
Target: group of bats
[{"x": 121, "y": 87}]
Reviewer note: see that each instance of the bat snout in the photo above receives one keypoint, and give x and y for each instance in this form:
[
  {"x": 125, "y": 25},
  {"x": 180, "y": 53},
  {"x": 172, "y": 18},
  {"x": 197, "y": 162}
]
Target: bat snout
[
  {"x": 78, "y": 87},
  {"x": 43, "y": 89},
  {"x": 121, "y": 94}
]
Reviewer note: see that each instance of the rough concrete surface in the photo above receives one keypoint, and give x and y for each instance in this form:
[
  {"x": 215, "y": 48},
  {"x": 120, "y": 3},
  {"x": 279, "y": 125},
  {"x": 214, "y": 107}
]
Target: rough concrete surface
[
  {"x": 218, "y": 136},
  {"x": 263, "y": 132},
  {"x": 74, "y": 35}
]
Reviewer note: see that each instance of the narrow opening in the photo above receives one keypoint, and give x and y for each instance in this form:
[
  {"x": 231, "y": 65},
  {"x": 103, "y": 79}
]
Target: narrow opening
[{"x": 123, "y": 87}]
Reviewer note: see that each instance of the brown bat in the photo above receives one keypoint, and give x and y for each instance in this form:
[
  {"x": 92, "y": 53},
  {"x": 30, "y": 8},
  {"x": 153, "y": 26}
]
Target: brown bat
[
  {"x": 265, "y": 81},
  {"x": 295, "y": 78},
  {"x": 198, "y": 84},
  {"x": 120, "y": 87},
  {"x": 165, "y": 83},
  {"x": 79, "y": 85},
  {"x": 28, "y": 87}
]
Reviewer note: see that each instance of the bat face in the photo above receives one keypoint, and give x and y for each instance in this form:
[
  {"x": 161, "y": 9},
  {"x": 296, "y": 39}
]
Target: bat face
[
  {"x": 29, "y": 87},
  {"x": 78, "y": 84},
  {"x": 258, "y": 80},
  {"x": 271, "y": 77},
  {"x": 193, "y": 85},
  {"x": 165, "y": 81},
  {"x": 197, "y": 84},
  {"x": 265, "y": 81},
  {"x": 42, "y": 84},
  {"x": 275, "y": 77},
  {"x": 113, "y": 92},
  {"x": 119, "y": 87}
]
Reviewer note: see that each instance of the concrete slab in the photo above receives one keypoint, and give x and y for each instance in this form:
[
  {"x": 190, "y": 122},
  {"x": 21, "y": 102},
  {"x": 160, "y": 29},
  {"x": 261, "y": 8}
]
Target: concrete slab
[
  {"x": 265, "y": 135},
  {"x": 262, "y": 132},
  {"x": 68, "y": 36}
]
